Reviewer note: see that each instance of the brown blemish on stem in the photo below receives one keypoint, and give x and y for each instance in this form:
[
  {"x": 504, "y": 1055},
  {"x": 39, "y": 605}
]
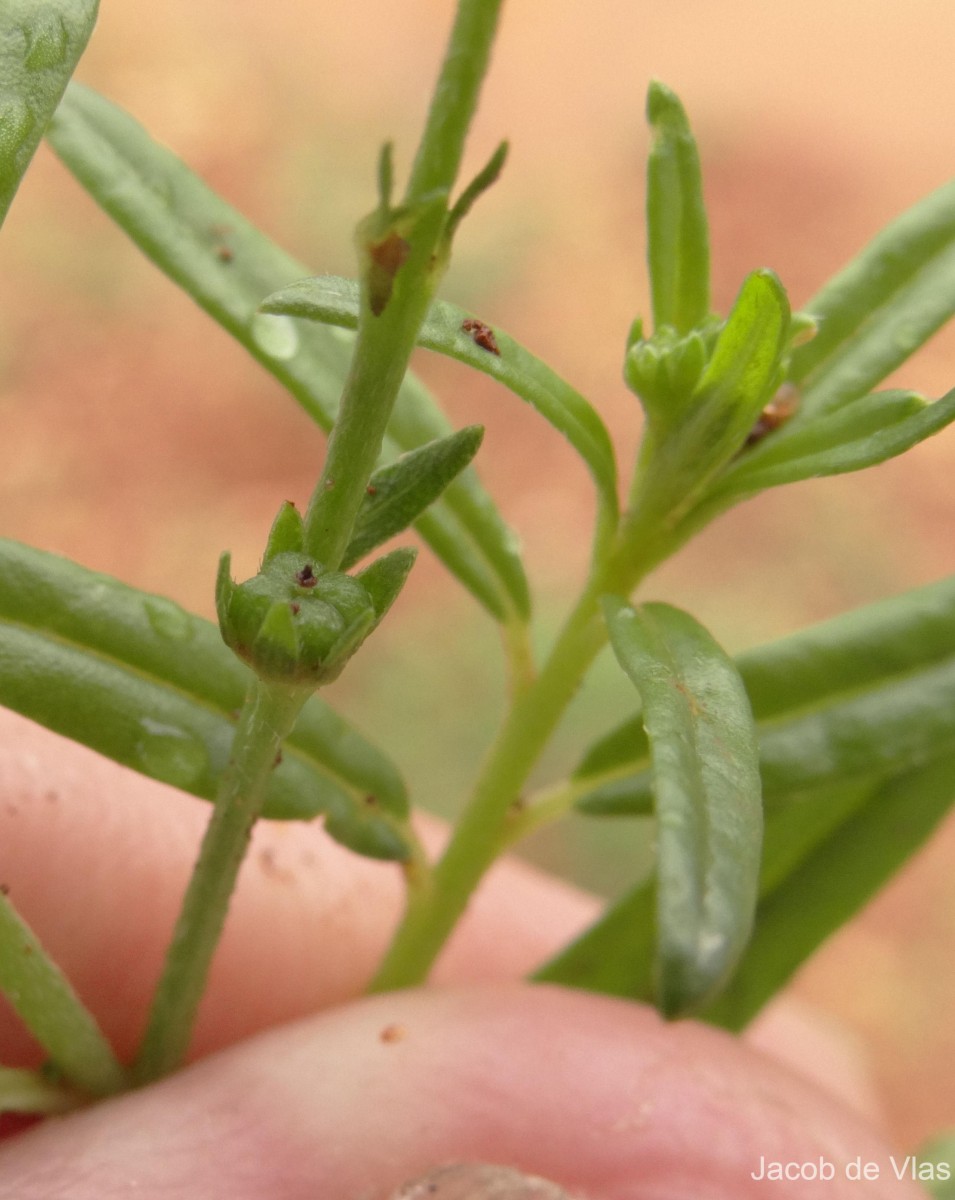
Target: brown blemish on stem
[{"x": 387, "y": 257}]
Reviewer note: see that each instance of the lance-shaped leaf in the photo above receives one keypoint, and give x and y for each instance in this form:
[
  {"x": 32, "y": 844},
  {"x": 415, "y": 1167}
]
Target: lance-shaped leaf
[
  {"x": 40, "y": 44},
  {"x": 400, "y": 492},
  {"x": 46, "y": 1002},
  {"x": 833, "y": 881},
  {"x": 848, "y": 733},
  {"x": 858, "y": 434},
  {"x": 226, "y": 265},
  {"x": 614, "y": 956},
  {"x": 451, "y": 331},
  {"x": 707, "y": 795},
  {"x": 678, "y": 250},
  {"x": 849, "y": 710},
  {"x": 816, "y": 873},
  {"x": 863, "y": 693},
  {"x": 877, "y": 311},
  {"x": 140, "y": 680}
]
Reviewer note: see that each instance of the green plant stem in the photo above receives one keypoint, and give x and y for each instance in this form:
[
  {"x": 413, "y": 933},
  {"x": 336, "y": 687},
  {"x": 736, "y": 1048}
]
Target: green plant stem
[
  {"x": 484, "y": 830},
  {"x": 46, "y": 1002},
  {"x": 387, "y": 338},
  {"x": 266, "y": 719},
  {"x": 433, "y": 912},
  {"x": 549, "y": 804}
]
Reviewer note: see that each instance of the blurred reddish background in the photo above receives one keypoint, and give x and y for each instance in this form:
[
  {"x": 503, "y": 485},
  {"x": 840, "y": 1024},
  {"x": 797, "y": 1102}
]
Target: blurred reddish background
[{"x": 140, "y": 441}]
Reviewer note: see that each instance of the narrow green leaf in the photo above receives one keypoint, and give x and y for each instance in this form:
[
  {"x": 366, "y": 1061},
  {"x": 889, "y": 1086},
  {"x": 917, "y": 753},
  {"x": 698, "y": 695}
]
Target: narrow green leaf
[
  {"x": 451, "y": 331},
  {"x": 285, "y": 537},
  {"x": 226, "y": 265},
  {"x": 877, "y": 311},
  {"x": 893, "y": 637},
  {"x": 858, "y": 434},
  {"x": 743, "y": 367},
  {"x": 678, "y": 248},
  {"x": 905, "y": 720},
  {"x": 864, "y": 693},
  {"x": 40, "y": 44},
  {"x": 400, "y": 492},
  {"x": 857, "y": 733},
  {"x": 47, "y": 1004},
  {"x": 142, "y": 681},
  {"x": 707, "y": 793},
  {"x": 832, "y": 883},
  {"x": 615, "y": 955},
  {"x": 385, "y": 577},
  {"x": 485, "y": 178}
]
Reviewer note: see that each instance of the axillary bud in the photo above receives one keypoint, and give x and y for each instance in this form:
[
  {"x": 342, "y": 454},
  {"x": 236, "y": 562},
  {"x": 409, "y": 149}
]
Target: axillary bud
[{"x": 294, "y": 622}]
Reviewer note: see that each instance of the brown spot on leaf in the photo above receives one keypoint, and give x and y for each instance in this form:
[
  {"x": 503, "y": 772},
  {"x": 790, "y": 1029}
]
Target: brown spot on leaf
[{"x": 482, "y": 335}]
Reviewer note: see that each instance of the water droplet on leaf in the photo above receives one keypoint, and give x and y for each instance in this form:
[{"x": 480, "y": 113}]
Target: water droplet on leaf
[
  {"x": 275, "y": 335},
  {"x": 171, "y": 754}
]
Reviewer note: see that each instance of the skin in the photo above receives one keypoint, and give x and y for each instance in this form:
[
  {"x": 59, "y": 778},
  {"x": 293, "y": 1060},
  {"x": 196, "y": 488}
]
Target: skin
[{"x": 301, "y": 1089}]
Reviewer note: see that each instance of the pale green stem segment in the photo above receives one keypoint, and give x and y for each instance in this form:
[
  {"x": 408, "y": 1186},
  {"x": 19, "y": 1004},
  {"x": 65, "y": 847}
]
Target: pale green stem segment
[
  {"x": 266, "y": 719},
  {"x": 484, "y": 831},
  {"x": 50, "y": 1008},
  {"x": 478, "y": 837},
  {"x": 387, "y": 337}
]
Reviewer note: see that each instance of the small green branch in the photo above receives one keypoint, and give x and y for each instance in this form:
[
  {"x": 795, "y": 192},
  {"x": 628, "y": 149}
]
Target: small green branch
[
  {"x": 266, "y": 719},
  {"x": 480, "y": 835},
  {"x": 455, "y": 98},
  {"x": 403, "y": 253},
  {"x": 494, "y": 817},
  {"x": 50, "y": 1008},
  {"x": 549, "y": 804}
]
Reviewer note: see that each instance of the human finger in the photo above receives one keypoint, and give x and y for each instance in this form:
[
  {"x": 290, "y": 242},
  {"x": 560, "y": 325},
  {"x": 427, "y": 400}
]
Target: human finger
[
  {"x": 96, "y": 858},
  {"x": 598, "y": 1096}
]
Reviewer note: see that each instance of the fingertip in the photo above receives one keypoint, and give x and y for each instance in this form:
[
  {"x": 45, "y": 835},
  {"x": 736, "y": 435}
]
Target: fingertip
[{"x": 599, "y": 1097}]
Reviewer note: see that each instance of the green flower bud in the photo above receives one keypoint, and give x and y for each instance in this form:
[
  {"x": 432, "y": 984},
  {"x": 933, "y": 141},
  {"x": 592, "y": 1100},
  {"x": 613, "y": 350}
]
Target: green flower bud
[{"x": 294, "y": 622}]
